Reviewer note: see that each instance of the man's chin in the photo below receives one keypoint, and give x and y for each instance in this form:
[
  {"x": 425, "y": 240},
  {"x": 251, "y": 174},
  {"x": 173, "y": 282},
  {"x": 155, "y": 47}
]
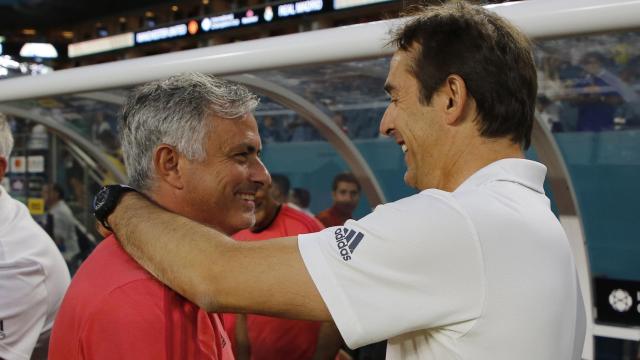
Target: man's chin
[
  {"x": 242, "y": 222},
  {"x": 250, "y": 221}
]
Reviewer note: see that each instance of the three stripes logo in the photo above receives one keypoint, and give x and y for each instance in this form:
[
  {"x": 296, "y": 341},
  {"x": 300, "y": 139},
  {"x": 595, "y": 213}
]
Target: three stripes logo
[{"x": 347, "y": 240}]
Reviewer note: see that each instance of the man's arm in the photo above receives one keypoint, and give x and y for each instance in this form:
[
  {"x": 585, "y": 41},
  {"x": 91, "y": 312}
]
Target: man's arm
[{"x": 214, "y": 271}]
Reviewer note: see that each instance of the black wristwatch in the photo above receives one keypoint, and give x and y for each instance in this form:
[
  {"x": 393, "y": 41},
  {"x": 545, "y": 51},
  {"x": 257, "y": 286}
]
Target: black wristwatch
[{"x": 106, "y": 201}]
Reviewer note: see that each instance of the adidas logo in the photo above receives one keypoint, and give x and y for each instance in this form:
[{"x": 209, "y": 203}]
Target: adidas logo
[{"x": 347, "y": 240}]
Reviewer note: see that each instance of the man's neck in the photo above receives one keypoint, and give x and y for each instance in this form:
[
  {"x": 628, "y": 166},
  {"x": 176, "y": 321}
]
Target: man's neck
[
  {"x": 171, "y": 201},
  {"x": 162, "y": 198},
  {"x": 474, "y": 158}
]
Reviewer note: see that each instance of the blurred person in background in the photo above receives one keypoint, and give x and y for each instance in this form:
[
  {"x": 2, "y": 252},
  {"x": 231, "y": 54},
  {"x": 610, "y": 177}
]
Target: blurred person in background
[
  {"x": 346, "y": 195},
  {"x": 270, "y": 131},
  {"x": 598, "y": 95},
  {"x": 260, "y": 337},
  {"x": 280, "y": 188},
  {"x": 33, "y": 274},
  {"x": 300, "y": 199},
  {"x": 61, "y": 221},
  {"x": 548, "y": 111},
  {"x": 341, "y": 123}
]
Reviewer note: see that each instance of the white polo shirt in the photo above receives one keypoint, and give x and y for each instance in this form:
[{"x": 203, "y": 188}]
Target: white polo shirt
[
  {"x": 33, "y": 280},
  {"x": 483, "y": 273}
]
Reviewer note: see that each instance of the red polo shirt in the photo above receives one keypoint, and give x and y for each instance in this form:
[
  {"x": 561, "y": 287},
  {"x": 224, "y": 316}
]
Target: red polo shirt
[
  {"x": 333, "y": 216},
  {"x": 273, "y": 338},
  {"x": 114, "y": 309}
]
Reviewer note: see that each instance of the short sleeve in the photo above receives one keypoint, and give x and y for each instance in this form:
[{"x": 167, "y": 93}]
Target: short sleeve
[
  {"x": 410, "y": 265},
  {"x": 23, "y": 307},
  {"x": 129, "y": 324}
]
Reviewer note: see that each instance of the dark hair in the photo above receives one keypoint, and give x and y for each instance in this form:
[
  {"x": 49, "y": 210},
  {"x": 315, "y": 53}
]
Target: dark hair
[
  {"x": 344, "y": 177},
  {"x": 282, "y": 182},
  {"x": 492, "y": 56},
  {"x": 303, "y": 196},
  {"x": 58, "y": 189}
]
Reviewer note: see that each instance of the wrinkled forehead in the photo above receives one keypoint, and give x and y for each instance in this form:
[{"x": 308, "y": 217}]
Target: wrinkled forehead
[
  {"x": 405, "y": 58},
  {"x": 400, "y": 66}
]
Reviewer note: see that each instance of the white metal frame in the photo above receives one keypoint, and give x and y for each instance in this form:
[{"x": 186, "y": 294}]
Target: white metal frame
[{"x": 538, "y": 18}]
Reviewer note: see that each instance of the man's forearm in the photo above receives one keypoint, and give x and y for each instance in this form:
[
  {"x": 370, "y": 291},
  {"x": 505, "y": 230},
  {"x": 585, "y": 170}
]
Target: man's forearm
[{"x": 214, "y": 271}]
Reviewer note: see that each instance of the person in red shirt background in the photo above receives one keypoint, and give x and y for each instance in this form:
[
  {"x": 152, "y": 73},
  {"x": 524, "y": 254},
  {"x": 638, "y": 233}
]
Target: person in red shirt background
[
  {"x": 192, "y": 145},
  {"x": 346, "y": 195},
  {"x": 259, "y": 337}
]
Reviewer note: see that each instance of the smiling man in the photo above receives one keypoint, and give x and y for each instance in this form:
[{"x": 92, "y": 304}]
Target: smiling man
[
  {"x": 345, "y": 193},
  {"x": 474, "y": 266},
  {"x": 191, "y": 145}
]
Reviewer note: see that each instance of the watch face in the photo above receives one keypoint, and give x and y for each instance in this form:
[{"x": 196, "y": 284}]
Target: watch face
[{"x": 101, "y": 198}]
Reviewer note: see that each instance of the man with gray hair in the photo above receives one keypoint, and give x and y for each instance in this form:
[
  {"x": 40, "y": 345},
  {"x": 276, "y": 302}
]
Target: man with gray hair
[
  {"x": 190, "y": 144},
  {"x": 33, "y": 275}
]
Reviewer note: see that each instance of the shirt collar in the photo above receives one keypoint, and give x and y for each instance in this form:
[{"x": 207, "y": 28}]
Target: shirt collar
[{"x": 525, "y": 172}]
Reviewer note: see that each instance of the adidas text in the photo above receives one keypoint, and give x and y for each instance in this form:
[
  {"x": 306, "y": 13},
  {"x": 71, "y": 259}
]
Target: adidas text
[{"x": 347, "y": 240}]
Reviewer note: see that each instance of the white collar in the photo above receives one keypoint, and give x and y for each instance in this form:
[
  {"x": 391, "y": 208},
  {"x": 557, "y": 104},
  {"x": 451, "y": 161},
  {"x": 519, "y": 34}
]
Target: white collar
[{"x": 521, "y": 171}]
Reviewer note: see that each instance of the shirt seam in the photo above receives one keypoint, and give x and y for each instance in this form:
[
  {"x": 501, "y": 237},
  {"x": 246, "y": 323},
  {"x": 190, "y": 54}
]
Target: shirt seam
[{"x": 47, "y": 299}]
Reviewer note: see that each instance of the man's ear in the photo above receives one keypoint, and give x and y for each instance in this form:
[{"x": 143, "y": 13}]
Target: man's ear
[
  {"x": 454, "y": 90},
  {"x": 165, "y": 162},
  {"x": 4, "y": 164}
]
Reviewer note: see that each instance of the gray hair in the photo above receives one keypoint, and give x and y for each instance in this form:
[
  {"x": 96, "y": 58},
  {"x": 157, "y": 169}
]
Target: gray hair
[
  {"x": 175, "y": 111},
  {"x": 6, "y": 139}
]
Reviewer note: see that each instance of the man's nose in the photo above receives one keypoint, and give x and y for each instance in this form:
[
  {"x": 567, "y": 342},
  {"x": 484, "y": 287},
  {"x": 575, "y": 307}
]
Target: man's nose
[
  {"x": 260, "y": 174},
  {"x": 387, "y": 124}
]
